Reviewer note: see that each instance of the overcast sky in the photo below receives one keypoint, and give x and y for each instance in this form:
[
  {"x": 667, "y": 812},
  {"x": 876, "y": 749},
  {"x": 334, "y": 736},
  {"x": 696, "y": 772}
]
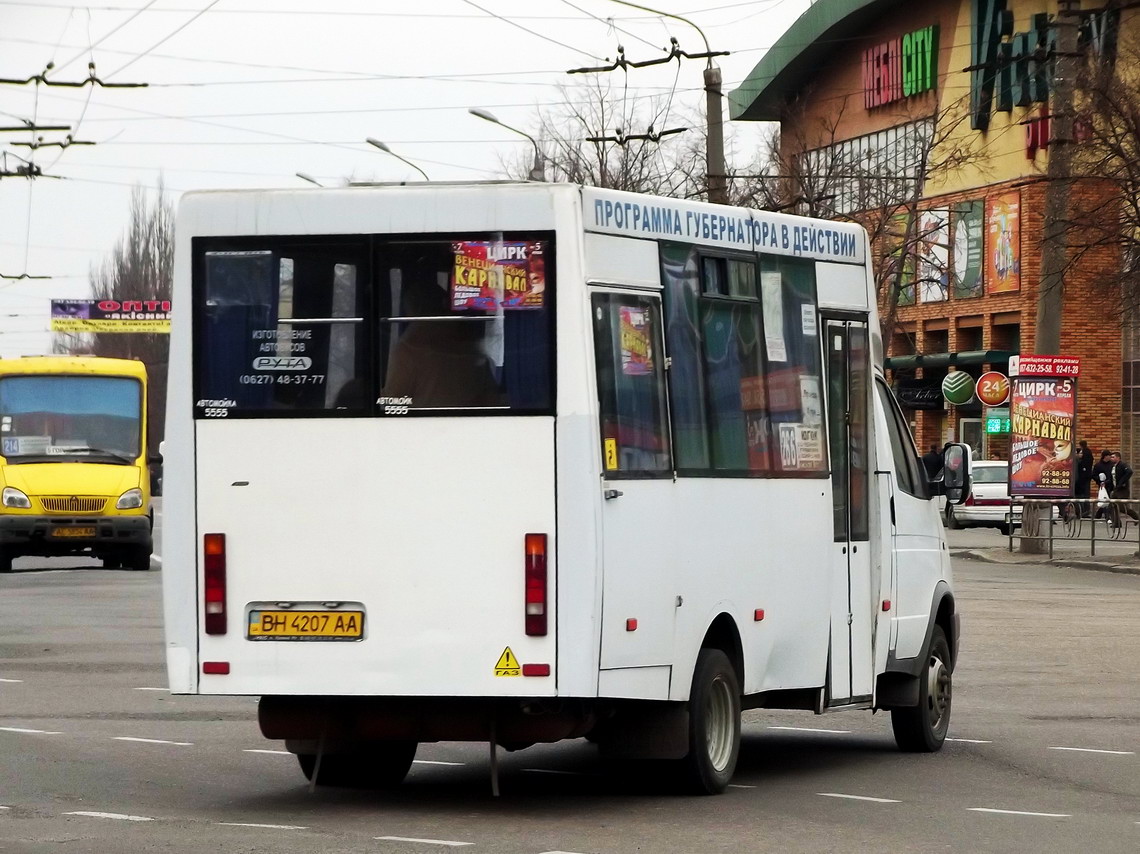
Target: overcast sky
[{"x": 246, "y": 93}]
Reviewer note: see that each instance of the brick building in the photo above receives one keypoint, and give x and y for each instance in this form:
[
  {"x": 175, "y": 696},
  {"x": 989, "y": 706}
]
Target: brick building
[{"x": 952, "y": 95}]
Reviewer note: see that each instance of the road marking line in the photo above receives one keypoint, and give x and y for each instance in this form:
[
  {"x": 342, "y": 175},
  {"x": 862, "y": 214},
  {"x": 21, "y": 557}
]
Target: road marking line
[
  {"x": 259, "y": 750},
  {"x": 858, "y": 798},
  {"x": 1020, "y": 812},
  {"x": 1093, "y": 750},
  {"x": 435, "y": 762},
  {"x": 29, "y": 731},
  {"x": 11, "y": 680},
  {"x": 112, "y": 815},
  {"x": 265, "y": 826},
  {"x": 153, "y": 740},
  {"x": 811, "y": 729},
  {"x": 8, "y": 808},
  {"x": 970, "y": 740},
  {"x": 166, "y": 690},
  {"x": 739, "y": 786},
  {"x": 447, "y": 842}
]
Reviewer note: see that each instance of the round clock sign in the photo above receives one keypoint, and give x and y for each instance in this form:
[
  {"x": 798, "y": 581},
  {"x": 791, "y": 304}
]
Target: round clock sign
[{"x": 993, "y": 388}]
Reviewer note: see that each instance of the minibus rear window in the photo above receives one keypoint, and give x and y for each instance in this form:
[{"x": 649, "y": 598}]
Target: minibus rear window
[{"x": 374, "y": 325}]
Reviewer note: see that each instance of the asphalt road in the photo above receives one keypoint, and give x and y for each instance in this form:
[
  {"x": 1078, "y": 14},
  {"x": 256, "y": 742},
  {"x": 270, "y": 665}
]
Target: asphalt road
[{"x": 95, "y": 755}]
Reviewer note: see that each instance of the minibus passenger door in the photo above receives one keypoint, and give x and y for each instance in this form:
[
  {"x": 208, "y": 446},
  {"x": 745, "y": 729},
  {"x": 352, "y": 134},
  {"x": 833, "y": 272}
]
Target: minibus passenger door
[
  {"x": 639, "y": 585},
  {"x": 855, "y": 570}
]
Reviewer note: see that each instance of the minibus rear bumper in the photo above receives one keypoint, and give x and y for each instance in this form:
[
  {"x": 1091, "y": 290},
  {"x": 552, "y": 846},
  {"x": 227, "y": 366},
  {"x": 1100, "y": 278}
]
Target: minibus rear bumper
[{"x": 54, "y": 535}]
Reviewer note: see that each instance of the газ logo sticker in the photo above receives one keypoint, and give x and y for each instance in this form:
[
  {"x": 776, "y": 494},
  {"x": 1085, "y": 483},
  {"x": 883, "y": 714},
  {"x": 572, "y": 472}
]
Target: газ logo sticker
[{"x": 282, "y": 363}]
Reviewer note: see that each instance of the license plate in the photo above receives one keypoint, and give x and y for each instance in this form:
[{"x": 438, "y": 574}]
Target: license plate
[
  {"x": 306, "y": 625},
  {"x": 73, "y": 532}
]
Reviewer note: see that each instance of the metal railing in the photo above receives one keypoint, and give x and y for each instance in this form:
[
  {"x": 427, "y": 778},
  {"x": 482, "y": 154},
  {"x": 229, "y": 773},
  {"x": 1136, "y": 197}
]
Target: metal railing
[{"x": 1117, "y": 520}]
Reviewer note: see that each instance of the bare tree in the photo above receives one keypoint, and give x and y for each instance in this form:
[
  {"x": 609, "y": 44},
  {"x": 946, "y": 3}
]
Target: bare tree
[
  {"x": 140, "y": 267},
  {"x": 813, "y": 172}
]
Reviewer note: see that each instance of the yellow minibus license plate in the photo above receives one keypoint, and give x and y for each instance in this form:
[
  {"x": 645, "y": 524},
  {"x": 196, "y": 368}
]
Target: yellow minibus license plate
[
  {"x": 306, "y": 625},
  {"x": 73, "y": 532}
]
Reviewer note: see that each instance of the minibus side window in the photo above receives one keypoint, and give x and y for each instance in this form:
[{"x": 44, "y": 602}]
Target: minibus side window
[
  {"x": 631, "y": 386},
  {"x": 908, "y": 472}
]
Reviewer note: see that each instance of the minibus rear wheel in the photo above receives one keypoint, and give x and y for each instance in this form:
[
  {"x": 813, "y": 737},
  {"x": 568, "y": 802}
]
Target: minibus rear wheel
[
  {"x": 714, "y": 724},
  {"x": 375, "y": 765},
  {"x": 922, "y": 728}
]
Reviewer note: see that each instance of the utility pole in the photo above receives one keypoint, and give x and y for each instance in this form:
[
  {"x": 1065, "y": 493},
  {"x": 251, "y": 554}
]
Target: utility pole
[
  {"x": 1058, "y": 188},
  {"x": 714, "y": 145},
  {"x": 1055, "y": 243},
  {"x": 716, "y": 178}
]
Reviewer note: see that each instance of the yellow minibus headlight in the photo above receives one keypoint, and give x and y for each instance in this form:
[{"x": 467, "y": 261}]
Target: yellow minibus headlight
[
  {"x": 13, "y": 497},
  {"x": 130, "y": 499}
]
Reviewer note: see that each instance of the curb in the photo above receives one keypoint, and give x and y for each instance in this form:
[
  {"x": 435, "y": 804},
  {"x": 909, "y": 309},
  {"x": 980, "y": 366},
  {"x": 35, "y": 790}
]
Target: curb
[{"x": 983, "y": 557}]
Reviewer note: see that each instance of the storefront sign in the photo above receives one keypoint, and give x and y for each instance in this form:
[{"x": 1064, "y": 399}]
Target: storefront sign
[
  {"x": 992, "y": 388},
  {"x": 109, "y": 315},
  {"x": 900, "y": 68},
  {"x": 1030, "y": 365},
  {"x": 920, "y": 394},
  {"x": 1003, "y": 250},
  {"x": 997, "y": 420},
  {"x": 1043, "y": 413},
  {"x": 958, "y": 388},
  {"x": 1013, "y": 68}
]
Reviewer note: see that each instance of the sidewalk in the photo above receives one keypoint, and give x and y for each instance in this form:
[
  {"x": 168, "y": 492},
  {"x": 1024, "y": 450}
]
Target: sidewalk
[
  {"x": 1126, "y": 563},
  {"x": 989, "y": 546}
]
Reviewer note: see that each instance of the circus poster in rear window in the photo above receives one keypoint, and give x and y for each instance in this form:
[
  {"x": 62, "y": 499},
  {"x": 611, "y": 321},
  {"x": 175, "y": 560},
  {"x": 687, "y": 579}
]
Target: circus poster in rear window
[
  {"x": 492, "y": 275},
  {"x": 1042, "y": 415}
]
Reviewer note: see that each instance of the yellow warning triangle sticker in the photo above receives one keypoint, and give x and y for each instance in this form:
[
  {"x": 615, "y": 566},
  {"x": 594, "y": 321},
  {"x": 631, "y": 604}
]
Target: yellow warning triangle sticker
[{"x": 507, "y": 665}]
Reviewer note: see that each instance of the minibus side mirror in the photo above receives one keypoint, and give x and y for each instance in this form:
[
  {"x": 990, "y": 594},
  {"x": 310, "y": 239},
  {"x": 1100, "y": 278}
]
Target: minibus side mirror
[{"x": 956, "y": 472}]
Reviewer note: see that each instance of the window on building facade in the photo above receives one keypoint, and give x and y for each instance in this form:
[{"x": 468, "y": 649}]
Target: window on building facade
[{"x": 869, "y": 171}]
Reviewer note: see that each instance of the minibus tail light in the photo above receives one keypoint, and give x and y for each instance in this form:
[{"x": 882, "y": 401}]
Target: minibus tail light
[
  {"x": 535, "y": 581},
  {"x": 214, "y": 551}
]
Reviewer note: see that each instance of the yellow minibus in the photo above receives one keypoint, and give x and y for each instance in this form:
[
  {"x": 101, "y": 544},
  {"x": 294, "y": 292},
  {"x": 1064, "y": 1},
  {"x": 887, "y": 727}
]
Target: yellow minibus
[{"x": 74, "y": 475}]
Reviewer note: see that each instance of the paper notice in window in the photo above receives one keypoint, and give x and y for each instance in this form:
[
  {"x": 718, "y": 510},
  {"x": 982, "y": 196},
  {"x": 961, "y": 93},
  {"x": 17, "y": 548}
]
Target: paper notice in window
[
  {"x": 771, "y": 283},
  {"x": 636, "y": 355},
  {"x": 811, "y": 404}
]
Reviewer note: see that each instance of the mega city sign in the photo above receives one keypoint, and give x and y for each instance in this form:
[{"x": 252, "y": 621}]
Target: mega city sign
[
  {"x": 900, "y": 68},
  {"x": 1010, "y": 69}
]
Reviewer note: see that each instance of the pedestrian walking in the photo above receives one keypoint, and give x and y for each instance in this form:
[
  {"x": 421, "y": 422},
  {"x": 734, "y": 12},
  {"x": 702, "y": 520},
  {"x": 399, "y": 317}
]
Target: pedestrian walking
[
  {"x": 1121, "y": 480},
  {"x": 1084, "y": 476},
  {"x": 932, "y": 462}
]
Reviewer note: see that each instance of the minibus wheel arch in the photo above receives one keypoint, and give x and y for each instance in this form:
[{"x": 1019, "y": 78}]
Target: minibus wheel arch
[{"x": 722, "y": 634}]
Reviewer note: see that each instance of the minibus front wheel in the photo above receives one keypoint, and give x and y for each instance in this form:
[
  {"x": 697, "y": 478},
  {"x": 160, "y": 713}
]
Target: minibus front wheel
[
  {"x": 922, "y": 728},
  {"x": 6, "y": 558}
]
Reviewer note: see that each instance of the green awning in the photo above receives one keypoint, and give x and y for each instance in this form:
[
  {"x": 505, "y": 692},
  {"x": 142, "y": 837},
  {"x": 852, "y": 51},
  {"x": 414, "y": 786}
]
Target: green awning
[
  {"x": 797, "y": 56},
  {"x": 946, "y": 360}
]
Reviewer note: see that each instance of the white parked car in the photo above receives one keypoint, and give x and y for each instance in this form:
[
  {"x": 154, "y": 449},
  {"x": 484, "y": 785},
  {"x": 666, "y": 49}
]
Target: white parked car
[{"x": 988, "y": 502}]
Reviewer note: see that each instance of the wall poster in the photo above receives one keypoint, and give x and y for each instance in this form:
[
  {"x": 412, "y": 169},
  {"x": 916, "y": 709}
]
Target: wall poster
[{"x": 1003, "y": 246}]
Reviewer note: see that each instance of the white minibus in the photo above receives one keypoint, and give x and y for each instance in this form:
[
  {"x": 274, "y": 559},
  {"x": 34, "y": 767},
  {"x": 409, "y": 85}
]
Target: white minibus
[{"x": 522, "y": 462}]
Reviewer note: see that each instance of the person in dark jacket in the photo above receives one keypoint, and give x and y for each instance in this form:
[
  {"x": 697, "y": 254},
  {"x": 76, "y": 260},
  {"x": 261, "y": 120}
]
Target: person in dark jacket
[
  {"x": 932, "y": 462},
  {"x": 1120, "y": 478},
  {"x": 1084, "y": 476}
]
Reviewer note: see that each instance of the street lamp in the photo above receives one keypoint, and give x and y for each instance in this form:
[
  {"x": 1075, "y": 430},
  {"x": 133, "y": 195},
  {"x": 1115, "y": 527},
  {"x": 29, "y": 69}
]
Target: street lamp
[
  {"x": 538, "y": 170},
  {"x": 383, "y": 147},
  {"x": 304, "y": 177}
]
